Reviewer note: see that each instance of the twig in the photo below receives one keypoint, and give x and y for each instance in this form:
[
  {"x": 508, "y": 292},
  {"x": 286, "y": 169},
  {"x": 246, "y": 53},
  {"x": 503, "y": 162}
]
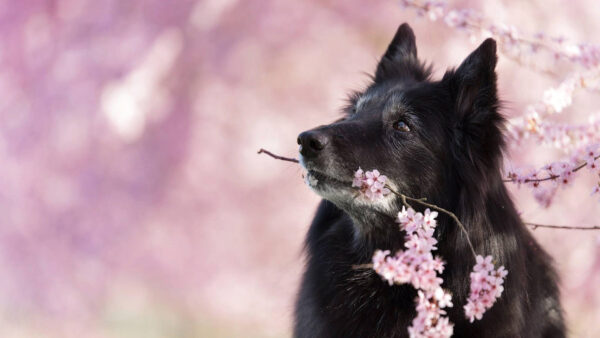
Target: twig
[
  {"x": 289, "y": 159},
  {"x": 432, "y": 206},
  {"x": 564, "y": 227},
  {"x": 402, "y": 197}
]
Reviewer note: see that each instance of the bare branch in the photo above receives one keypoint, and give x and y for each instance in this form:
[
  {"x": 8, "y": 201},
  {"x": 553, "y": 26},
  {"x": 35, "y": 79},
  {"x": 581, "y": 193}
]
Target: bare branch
[
  {"x": 289, "y": 159},
  {"x": 563, "y": 227}
]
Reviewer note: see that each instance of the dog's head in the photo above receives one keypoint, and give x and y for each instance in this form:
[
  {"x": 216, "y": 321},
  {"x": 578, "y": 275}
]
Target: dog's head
[{"x": 418, "y": 132}]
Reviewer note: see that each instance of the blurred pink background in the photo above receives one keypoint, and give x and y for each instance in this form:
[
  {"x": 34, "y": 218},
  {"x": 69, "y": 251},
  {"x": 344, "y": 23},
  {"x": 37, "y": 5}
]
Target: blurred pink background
[{"x": 133, "y": 202}]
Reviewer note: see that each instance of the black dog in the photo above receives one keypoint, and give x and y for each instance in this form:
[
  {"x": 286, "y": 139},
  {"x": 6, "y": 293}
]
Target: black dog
[{"x": 436, "y": 139}]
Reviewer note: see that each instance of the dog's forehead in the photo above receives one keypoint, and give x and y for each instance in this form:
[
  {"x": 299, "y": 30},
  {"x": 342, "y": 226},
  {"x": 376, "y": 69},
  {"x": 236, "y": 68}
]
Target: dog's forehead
[{"x": 388, "y": 95}]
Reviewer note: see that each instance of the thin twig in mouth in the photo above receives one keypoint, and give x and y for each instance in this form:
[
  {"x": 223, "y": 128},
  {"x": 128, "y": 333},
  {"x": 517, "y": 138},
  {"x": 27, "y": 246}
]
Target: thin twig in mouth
[{"x": 289, "y": 159}]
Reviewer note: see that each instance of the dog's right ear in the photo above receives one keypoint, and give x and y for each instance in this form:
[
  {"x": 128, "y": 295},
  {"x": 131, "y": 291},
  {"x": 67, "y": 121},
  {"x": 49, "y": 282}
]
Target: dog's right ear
[{"x": 400, "y": 59}]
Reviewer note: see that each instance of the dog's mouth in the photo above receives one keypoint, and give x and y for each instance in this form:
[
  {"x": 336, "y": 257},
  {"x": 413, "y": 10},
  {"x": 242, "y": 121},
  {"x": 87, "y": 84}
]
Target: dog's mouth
[
  {"x": 318, "y": 180},
  {"x": 341, "y": 192},
  {"x": 339, "y": 189}
]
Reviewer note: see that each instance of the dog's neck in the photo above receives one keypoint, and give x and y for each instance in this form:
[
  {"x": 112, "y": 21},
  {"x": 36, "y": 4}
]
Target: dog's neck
[
  {"x": 370, "y": 222},
  {"x": 375, "y": 228}
]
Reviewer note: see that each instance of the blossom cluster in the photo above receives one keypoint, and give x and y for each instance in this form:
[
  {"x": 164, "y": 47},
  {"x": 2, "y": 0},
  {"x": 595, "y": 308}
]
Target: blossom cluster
[
  {"x": 370, "y": 183},
  {"x": 417, "y": 266},
  {"x": 486, "y": 287},
  {"x": 558, "y": 174}
]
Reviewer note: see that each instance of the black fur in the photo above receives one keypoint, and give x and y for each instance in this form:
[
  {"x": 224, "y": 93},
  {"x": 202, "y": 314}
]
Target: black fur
[{"x": 451, "y": 155}]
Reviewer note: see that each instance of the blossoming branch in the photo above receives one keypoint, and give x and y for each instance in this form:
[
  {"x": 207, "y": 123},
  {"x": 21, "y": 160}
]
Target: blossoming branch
[
  {"x": 575, "y": 140},
  {"x": 417, "y": 266},
  {"x": 513, "y": 43},
  {"x": 422, "y": 200}
]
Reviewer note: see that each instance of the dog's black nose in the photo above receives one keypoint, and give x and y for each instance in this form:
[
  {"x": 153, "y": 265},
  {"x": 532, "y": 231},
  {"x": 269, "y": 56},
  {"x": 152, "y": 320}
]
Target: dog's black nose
[{"x": 312, "y": 142}]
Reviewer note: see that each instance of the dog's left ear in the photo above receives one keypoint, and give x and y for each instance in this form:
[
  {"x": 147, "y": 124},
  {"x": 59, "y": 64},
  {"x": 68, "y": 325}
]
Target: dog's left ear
[
  {"x": 473, "y": 84},
  {"x": 473, "y": 89},
  {"x": 400, "y": 59}
]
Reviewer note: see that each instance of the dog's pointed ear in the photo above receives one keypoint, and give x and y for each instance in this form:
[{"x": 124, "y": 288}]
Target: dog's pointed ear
[
  {"x": 400, "y": 59},
  {"x": 403, "y": 44},
  {"x": 473, "y": 89},
  {"x": 473, "y": 84}
]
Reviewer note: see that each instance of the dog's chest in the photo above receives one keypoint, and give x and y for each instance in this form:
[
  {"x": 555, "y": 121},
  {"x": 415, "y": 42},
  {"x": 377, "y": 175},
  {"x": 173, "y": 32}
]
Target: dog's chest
[{"x": 355, "y": 301}]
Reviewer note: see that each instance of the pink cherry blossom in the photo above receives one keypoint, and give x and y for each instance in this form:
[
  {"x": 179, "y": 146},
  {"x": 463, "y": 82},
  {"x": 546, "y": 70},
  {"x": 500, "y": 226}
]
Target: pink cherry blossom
[
  {"x": 486, "y": 287},
  {"x": 377, "y": 191},
  {"x": 409, "y": 220},
  {"x": 474, "y": 311},
  {"x": 358, "y": 178},
  {"x": 429, "y": 218},
  {"x": 592, "y": 152},
  {"x": 483, "y": 264},
  {"x": 372, "y": 184},
  {"x": 417, "y": 266},
  {"x": 443, "y": 298},
  {"x": 379, "y": 258},
  {"x": 372, "y": 176}
]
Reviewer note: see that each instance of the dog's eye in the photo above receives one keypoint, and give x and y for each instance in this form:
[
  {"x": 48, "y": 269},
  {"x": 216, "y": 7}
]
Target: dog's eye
[{"x": 401, "y": 126}]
